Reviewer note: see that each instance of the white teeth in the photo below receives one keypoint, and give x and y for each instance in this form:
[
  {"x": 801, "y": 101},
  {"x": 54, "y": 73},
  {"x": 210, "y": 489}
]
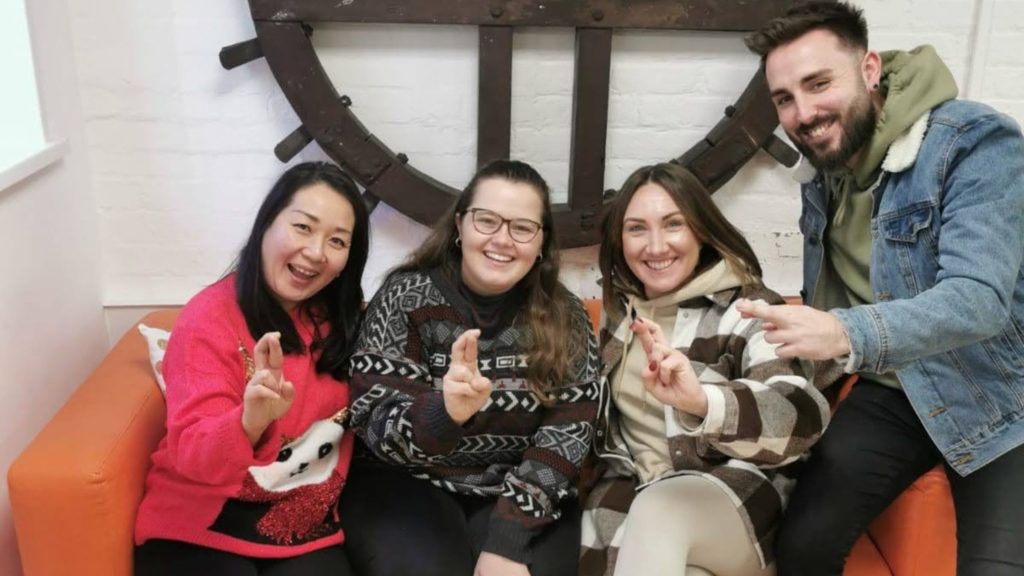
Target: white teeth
[
  {"x": 498, "y": 257},
  {"x": 818, "y": 130},
  {"x": 303, "y": 271},
  {"x": 660, "y": 264}
]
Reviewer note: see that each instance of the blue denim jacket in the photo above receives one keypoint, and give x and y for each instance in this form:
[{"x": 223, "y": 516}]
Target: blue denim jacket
[{"x": 947, "y": 234}]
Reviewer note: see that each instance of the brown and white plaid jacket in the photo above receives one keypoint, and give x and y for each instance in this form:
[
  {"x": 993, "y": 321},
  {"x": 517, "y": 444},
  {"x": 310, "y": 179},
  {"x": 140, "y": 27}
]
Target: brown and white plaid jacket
[{"x": 763, "y": 415}]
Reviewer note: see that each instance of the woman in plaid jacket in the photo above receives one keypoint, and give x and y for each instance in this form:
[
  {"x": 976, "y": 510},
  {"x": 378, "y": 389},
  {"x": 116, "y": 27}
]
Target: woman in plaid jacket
[{"x": 698, "y": 417}]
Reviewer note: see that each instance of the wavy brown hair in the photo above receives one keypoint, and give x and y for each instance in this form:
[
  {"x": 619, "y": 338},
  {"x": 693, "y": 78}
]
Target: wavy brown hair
[
  {"x": 719, "y": 239},
  {"x": 547, "y": 312}
]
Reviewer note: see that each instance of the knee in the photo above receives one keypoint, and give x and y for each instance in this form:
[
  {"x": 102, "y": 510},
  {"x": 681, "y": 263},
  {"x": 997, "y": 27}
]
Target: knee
[{"x": 804, "y": 546}]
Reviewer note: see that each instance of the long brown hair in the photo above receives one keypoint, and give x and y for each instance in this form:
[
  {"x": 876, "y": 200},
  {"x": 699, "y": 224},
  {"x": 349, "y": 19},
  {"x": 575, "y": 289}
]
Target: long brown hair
[
  {"x": 547, "y": 301},
  {"x": 718, "y": 237}
]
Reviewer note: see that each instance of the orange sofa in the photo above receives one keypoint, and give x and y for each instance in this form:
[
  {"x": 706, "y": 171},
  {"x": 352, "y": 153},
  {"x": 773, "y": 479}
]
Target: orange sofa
[{"x": 75, "y": 489}]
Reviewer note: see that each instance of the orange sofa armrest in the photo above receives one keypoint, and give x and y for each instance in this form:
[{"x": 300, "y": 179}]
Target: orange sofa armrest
[
  {"x": 76, "y": 487},
  {"x": 917, "y": 532}
]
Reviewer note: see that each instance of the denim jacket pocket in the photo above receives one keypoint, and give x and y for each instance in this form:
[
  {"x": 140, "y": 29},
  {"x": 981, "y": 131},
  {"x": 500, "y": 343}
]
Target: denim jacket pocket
[{"x": 905, "y": 225}]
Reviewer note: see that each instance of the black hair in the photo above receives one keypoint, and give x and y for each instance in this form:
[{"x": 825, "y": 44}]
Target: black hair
[{"x": 338, "y": 304}]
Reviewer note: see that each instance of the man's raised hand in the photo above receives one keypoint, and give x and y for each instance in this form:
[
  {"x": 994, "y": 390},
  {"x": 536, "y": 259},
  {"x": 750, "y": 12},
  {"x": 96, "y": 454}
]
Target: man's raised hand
[{"x": 800, "y": 331}]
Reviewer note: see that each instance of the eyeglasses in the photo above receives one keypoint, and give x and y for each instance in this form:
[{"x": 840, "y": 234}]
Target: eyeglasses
[{"x": 521, "y": 230}]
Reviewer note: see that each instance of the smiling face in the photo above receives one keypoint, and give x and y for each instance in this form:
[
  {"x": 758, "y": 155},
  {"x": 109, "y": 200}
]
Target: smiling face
[
  {"x": 307, "y": 245},
  {"x": 657, "y": 244},
  {"x": 493, "y": 263},
  {"x": 819, "y": 88}
]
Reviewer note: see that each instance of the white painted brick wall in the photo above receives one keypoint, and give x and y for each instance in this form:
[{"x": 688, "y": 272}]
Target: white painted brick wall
[{"x": 181, "y": 150}]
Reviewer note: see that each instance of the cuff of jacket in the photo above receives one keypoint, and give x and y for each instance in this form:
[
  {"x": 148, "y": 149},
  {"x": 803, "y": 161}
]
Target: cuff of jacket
[
  {"x": 711, "y": 423},
  {"x": 867, "y": 336},
  {"x": 437, "y": 434},
  {"x": 509, "y": 539}
]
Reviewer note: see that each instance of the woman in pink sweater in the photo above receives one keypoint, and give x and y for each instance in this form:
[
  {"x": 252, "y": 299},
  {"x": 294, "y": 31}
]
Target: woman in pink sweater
[{"x": 247, "y": 479}]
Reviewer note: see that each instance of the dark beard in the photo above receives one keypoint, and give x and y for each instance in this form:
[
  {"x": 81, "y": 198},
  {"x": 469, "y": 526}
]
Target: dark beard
[{"x": 856, "y": 133}]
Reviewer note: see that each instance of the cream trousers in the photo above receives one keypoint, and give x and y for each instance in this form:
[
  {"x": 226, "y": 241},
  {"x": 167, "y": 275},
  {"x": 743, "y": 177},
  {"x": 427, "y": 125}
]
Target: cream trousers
[{"x": 686, "y": 525}]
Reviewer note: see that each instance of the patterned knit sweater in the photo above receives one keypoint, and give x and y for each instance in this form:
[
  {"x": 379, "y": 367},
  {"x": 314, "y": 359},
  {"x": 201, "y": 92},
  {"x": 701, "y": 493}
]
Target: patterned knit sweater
[
  {"x": 208, "y": 485},
  {"x": 516, "y": 448},
  {"x": 762, "y": 415}
]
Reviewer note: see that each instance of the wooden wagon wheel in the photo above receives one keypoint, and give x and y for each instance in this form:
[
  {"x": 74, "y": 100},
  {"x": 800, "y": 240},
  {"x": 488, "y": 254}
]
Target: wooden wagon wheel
[{"x": 284, "y": 27}]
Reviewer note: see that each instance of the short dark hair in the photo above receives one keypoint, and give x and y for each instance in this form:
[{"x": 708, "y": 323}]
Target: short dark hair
[
  {"x": 842, "y": 19},
  {"x": 721, "y": 240},
  {"x": 338, "y": 304}
]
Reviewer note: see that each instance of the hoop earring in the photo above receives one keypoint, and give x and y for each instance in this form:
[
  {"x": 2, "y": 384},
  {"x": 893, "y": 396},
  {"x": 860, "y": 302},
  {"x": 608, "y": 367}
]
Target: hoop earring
[{"x": 458, "y": 241}]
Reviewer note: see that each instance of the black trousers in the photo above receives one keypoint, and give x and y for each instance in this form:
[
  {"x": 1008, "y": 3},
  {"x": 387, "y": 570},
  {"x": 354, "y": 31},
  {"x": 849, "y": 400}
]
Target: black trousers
[
  {"x": 170, "y": 558},
  {"x": 397, "y": 525},
  {"x": 874, "y": 449}
]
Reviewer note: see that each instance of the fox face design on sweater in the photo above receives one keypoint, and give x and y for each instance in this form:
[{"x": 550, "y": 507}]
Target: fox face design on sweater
[{"x": 294, "y": 499}]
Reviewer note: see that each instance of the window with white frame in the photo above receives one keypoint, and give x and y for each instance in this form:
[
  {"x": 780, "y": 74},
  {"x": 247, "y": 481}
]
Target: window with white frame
[{"x": 21, "y": 127}]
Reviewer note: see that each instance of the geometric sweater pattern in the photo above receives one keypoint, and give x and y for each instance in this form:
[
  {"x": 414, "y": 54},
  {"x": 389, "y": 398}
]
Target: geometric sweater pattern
[{"x": 522, "y": 451}]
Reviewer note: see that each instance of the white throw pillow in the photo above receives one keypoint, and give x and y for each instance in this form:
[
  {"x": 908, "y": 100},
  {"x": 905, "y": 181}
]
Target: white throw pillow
[{"x": 157, "y": 339}]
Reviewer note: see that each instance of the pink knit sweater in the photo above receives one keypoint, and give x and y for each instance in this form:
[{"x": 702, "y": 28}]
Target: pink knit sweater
[{"x": 208, "y": 485}]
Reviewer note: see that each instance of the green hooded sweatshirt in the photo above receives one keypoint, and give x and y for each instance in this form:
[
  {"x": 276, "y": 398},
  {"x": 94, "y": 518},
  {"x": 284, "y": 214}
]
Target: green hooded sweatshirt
[{"x": 913, "y": 83}]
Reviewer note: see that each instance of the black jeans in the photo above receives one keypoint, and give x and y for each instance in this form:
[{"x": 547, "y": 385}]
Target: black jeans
[
  {"x": 397, "y": 525},
  {"x": 874, "y": 449},
  {"x": 170, "y": 558}
]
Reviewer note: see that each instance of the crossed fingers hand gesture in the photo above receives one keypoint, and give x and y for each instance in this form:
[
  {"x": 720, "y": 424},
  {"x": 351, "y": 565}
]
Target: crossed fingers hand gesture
[
  {"x": 668, "y": 376},
  {"x": 799, "y": 331},
  {"x": 268, "y": 396},
  {"x": 465, "y": 390}
]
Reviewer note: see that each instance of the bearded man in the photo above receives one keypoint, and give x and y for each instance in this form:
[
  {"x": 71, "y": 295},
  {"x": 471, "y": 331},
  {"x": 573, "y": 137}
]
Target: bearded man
[{"x": 913, "y": 224}]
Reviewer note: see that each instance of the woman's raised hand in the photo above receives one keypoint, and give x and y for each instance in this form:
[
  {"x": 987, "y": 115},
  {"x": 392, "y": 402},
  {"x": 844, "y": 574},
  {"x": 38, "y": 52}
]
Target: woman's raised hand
[
  {"x": 268, "y": 396},
  {"x": 668, "y": 376},
  {"x": 465, "y": 390}
]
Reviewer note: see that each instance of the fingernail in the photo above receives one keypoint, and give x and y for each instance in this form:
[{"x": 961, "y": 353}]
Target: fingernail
[{"x": 652, "y": 366}]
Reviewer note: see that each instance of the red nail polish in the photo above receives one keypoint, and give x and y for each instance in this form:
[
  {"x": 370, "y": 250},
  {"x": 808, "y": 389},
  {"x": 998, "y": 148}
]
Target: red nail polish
[{"x": 652, "y": 366}]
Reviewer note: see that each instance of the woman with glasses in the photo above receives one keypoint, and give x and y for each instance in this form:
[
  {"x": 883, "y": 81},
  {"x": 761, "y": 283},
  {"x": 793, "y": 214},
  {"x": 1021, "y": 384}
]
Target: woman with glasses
[
  {"x": 475, "y": 386},
  {"x": 700, "y": 416}
]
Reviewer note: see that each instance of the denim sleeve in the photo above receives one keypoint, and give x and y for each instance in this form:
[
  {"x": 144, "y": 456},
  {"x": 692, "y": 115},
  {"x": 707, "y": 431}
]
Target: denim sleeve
[{"x": 980, "y": 247}]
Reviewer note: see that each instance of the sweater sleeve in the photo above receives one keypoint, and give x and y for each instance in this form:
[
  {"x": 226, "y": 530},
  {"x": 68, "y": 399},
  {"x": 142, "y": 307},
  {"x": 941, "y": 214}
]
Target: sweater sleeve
[
  {"x": 532, "y": 491},
  {"x": 396, "y": 409},
  {"x": 206, "y": 379},
  {"x": 766, "y": 413}
]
